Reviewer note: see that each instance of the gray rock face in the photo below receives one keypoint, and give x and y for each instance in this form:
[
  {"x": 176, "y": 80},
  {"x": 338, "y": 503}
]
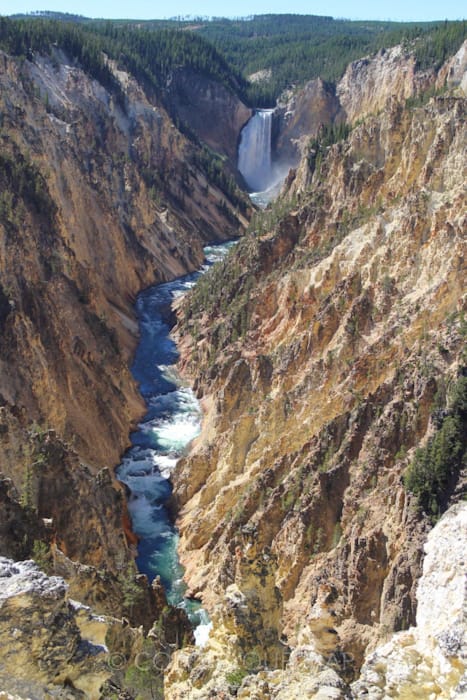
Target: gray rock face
[
  {"x": 429, "y": 660},
  {"x": 42, "y": 646},
  {"x": 25, "y": 578}
]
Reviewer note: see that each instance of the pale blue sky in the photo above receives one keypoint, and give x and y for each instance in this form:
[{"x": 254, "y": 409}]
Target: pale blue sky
[{"x": 419, "y": 10}]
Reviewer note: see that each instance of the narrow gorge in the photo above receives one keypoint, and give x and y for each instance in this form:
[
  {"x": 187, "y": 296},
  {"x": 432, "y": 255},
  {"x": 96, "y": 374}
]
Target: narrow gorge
[{"x": 274, "y": 448}]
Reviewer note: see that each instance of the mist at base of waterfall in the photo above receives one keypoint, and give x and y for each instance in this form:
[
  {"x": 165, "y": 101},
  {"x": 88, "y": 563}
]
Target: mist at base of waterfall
[{"x": 278, "y": 174}]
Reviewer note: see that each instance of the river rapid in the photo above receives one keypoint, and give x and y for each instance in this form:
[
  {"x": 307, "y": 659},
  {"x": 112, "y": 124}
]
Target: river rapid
[{"x": 172, "y": 420}]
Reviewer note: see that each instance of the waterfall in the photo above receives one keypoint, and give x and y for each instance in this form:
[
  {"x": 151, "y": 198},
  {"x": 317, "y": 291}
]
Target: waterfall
[{"x": 254, "y": 152}]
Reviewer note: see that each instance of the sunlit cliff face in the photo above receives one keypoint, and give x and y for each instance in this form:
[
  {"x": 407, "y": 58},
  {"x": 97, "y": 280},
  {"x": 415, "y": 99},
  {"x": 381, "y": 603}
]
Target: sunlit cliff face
[
  {"x": 97, "y": 203},
  {"x": 318, "y": 365}
]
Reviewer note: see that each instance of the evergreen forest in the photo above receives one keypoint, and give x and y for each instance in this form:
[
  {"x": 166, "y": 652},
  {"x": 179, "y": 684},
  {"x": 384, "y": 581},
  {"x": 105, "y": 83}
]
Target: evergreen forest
[{"x": 256, "y": 57}]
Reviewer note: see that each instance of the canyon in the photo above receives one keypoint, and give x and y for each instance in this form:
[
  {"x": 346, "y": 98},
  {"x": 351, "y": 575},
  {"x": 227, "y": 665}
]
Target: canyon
[
  {"x": 326, "y": 349},
  {"x": 125, "y": 210},
  {"x": 97, "y": 203}
]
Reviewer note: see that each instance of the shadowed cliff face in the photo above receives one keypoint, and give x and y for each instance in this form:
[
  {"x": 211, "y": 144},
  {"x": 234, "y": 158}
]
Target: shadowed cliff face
[
  {"x": 321, "y": 351},
  {"x": 96, "y": 203},
  {"x": 215, "y": 114}
]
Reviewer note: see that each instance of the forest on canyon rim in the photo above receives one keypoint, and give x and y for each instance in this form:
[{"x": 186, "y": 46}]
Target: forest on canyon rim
[{"x": 321, "y": 508}]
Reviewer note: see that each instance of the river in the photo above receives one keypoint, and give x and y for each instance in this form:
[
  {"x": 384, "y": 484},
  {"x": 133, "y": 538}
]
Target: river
[{"x": 172, "y": 420}]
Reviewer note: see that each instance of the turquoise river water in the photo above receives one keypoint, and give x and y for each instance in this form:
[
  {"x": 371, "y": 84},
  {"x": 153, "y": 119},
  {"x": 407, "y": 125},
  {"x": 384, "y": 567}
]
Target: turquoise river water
[{"x": 172, "y": 420}]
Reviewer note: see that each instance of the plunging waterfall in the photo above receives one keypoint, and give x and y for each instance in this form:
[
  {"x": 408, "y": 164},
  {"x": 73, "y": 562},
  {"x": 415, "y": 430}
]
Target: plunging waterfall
[{"x": 254, "y": 153}]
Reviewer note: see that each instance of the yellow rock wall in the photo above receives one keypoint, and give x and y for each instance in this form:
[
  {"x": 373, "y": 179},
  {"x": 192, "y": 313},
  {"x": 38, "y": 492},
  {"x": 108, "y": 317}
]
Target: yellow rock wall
[{"x": 314, "y": 411}]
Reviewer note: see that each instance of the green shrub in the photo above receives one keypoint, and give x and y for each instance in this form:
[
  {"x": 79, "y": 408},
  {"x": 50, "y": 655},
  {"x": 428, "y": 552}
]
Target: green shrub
[
  {"x": 435, "y": 467},
  {"x": 42, "y": 556},
  {"x": 236, "y": 677}
]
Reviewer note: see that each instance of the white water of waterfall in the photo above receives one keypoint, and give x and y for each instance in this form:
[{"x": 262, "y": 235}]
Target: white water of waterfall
[{"x": 254, "y": 152}]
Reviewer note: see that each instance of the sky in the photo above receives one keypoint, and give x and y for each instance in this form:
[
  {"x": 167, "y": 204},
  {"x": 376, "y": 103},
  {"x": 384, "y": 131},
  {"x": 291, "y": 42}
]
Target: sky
[{"x": 419, "y": 10}]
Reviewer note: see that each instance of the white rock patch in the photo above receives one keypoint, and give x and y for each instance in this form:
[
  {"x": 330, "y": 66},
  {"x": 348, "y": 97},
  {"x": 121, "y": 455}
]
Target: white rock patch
[{"x": 429, "y": 660}]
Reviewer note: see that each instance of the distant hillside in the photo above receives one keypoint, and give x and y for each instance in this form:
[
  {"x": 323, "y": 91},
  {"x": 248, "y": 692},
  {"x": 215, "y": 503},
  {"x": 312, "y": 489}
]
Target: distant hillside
[
  {"x": 150, "y": 56},
  {"x": 49, "y": 14},
  {"x": 297, "y": 48},
  {"x": 286, "y": 50}
]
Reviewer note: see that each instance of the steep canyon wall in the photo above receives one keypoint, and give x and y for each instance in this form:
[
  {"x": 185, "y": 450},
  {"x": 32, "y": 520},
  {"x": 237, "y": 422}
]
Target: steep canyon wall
[
  {"x": 365, "y": 88},
  {"x": 323, "y": 351},
  {"x": 98, "y": 201}
]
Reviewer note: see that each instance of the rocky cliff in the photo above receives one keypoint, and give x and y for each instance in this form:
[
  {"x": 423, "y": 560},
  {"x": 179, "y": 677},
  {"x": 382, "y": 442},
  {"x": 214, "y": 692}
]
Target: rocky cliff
[
  {"x": 301, "y": 116},
  {"x": 431, "y": 656},
  {"x": 365, "y": 88},
  {"x": 427, "y": 660},
  {"x": 326, "y": 350},
  {"x": 368, "y": 83},
  {"x": 54, "y": 646},
  {"x": 46, "y": 643},
  {"x": 214, "y": 113}
]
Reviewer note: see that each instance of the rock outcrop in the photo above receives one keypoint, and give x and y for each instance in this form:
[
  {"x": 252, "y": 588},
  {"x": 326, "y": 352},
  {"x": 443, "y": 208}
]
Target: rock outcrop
[
  {"x": 430, "y": 659},
  {"x": 42, "y": 646},
  {"x": 246, "y": 634},
  {"x": 54, "y": 646},
  {"x": 370, "y": 82},
  {"x": 454, "y": 71},
  {"x": 302, "y": 116}
]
